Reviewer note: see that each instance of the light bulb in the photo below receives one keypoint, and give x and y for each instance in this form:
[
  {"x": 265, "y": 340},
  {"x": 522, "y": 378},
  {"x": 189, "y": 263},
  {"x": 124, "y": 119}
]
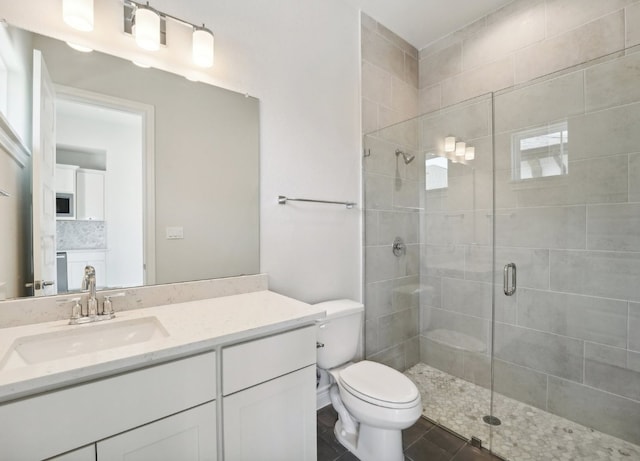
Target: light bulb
[
  {"x": 147, "y": 28},
  {"x": 460, "y": 148},
  {"x": 470, "y": 153},
  {"x": 449, "y": 143},
  {"x": 202, "y": 47},
  {"x": 78, "y": 14}
]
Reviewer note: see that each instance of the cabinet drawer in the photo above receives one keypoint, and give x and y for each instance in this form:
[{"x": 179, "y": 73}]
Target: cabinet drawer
[
  {"x": 62, "y": 420},
  {"x": 255, "y": 362}
]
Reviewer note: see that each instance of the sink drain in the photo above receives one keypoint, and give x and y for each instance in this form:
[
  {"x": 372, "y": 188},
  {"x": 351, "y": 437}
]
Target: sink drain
[{"x": 491, "y": 420}]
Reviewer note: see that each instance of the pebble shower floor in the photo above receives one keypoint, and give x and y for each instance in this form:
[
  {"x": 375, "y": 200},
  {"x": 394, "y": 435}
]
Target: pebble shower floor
[{"x": 526, "y": 433}]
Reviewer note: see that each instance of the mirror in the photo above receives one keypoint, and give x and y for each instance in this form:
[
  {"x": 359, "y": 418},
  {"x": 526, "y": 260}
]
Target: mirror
[{"x": 175, "y": 198}]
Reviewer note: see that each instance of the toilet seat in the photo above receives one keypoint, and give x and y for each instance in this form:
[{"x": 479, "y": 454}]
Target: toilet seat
[{"x": 379, "y": 385}]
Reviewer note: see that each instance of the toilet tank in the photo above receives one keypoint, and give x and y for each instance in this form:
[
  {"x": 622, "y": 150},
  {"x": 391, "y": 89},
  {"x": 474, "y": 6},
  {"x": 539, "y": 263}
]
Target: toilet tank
[{"x": 339, "y": 332}]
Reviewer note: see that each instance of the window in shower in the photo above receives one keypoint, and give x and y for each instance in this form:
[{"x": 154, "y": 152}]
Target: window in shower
[
  {"x": 540, "y": 152},
  {"x": 437, "y": 176}
]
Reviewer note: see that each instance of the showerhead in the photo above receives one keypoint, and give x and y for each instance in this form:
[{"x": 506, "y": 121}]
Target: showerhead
[{"x": 408, "y": 158}]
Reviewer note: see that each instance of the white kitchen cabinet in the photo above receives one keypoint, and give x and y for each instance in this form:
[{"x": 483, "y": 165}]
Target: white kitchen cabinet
[
  {"x": 90, "y": 187},
  {"x": 273, "y": 421},
  {"x": 78, "y": 260},
  {"x": 187, "y": 436},
  {"x": 66, "y": 178}
]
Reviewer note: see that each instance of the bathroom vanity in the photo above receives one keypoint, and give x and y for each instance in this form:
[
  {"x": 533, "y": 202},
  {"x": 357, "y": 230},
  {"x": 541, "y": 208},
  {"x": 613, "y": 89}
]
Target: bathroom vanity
[{"x": 228, "y": 378}]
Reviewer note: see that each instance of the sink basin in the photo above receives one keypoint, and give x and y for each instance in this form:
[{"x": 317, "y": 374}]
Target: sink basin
[{"x": 84, "y": 339}]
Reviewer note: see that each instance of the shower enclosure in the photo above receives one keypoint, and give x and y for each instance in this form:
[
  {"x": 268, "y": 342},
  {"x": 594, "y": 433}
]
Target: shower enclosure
[{"x": 502, "y": 264}]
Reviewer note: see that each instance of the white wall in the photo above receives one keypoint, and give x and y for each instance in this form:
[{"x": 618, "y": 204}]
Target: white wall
[{"x": 301, "y": 58}]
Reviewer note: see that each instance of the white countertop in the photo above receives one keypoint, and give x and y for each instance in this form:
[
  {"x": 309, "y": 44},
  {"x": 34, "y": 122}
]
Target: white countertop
[{"x": 192, "y": 327}]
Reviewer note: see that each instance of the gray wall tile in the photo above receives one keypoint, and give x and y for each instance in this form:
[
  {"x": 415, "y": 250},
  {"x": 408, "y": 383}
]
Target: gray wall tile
[
  {"x": 447, "y": 261},
  {"x": 604, "y": 133},
  {"x": 440, "y": 65},
  {"x": 429, "y": 99},
  {"x": 540, "y": 104},
  {"x": 477, "y": 368},
  {"x": 475, "y": 299},
  {"x": 607, "y": 368},
  {"x": 441, "y": 357},
  {"x": 376, "y": 84},
  {"x": 595, "y": 273},
  {"x": 393, "y": 357},
  {"x": 607, "y": 413},
  {"x": 545, "y": 227},
  {"x": 378, "y": 192},
  {"x": 632, "y": 16},
  {"x": 379, "y": 51},
  {"x": 523, "y": 27},
  {"x": 564, "y": 15},
  {"x": 634, "y": 326},
  {"x": 634, "y": 178},
  {"x": 595, "y": 319},
  {"x": 520, "y": 383},
  {"x": 613, "y": 83},
  {"x": 532, "y": 265},
  {"x": 613, "y": 227},
  {"x": 543, "y": 352},
  {"x": 595, "y": 39},
  {"x": 489, "y": 77},
  {"x": 597, "y": 180},
  {"x": 398, "y": 327},
  {"x": 431, "y": 291},
  {"x": 455, "y": 330}
]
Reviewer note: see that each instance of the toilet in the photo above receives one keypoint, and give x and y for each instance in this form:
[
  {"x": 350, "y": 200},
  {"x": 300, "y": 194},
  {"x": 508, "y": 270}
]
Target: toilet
[{"x": 374, "y": 402}]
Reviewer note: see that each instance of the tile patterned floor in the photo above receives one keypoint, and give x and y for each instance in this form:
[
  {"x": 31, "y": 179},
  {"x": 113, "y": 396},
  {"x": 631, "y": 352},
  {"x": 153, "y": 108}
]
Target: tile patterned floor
[
  {"x": 526, "y": 433},
  {"x": 424, "y": 441}
]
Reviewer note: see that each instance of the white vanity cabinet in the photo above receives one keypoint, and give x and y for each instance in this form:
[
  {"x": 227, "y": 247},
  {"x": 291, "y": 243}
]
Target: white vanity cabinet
[
  {"x": 269, "y": 398},
  {"x": 90, "y": 185},
  {"x": 157, "y": 408}
]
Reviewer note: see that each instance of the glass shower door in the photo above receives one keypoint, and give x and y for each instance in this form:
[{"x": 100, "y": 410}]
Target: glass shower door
[{"x": 566, "y": 354}]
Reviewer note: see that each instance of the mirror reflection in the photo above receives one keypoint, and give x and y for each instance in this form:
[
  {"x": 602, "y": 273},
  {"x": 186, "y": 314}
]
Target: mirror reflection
[{"x": 146, "y": 176}]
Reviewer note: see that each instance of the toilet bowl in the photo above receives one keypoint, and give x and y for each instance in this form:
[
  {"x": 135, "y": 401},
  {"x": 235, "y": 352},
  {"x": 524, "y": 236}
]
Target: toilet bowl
[{"x": 374, "y": 402}]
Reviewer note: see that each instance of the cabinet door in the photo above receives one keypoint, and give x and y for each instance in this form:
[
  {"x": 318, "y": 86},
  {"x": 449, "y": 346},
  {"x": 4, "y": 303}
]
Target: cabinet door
[
  {"x": 90, "y": 195},
  {"x": 274, "y": 421},
  {"x": 87, "y": 453},
  {"x": 186, "y": 436}
]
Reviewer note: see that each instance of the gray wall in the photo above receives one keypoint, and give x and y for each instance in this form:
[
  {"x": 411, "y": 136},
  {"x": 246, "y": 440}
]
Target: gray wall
[{"x": 569, "y": 341}]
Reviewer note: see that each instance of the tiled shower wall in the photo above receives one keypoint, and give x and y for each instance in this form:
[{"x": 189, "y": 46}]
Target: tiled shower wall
[
  {"x": 390, "y": 95},
  {"x": 569, "y": 341}
]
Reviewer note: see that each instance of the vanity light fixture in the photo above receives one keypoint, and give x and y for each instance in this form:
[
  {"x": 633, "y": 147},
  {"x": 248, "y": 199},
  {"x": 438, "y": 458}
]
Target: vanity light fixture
[
  {"x": 449, "y": 144},
  {"x": 470, "y": 153},
  {"x": 202, "y": 47},
  {"x": 78, "y": 14},
  {"x": 460, "y": 148},
  {"x": 148, "y": 26}
]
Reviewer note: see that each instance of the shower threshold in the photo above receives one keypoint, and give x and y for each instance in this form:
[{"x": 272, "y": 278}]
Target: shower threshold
[{"x": 525, "y": 432}]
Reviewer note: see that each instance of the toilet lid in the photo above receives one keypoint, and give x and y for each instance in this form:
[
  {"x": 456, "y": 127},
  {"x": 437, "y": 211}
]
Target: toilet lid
[{"x": 379, "y": 384}]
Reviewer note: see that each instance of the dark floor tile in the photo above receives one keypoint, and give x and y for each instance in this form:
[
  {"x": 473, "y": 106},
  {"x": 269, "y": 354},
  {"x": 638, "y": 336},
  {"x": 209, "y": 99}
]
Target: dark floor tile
[
  {"x": 469, "y": 453},
  {"x": 327, "y": 418},
  {"x": 329, "y": 439},
  {"x": 410, "y": 435},
  {"x": 425, "y": 450},
  {"x": 445, "y": 440},
  {"x": 326, "y": 452},
  {"x": 348, "y": 456}
]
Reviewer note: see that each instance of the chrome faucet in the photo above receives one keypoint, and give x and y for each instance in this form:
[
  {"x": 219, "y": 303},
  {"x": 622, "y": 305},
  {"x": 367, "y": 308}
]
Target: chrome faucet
[
  {"x": 92, "y": 315},
  {"x": 89, "y": 284}
]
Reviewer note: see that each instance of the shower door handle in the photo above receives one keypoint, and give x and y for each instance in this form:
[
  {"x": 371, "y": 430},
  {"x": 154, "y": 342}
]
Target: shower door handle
[{"x": 509, "y": 291}]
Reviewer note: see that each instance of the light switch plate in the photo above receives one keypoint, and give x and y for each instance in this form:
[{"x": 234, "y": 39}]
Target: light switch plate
[{"x": 175, "y": 233}]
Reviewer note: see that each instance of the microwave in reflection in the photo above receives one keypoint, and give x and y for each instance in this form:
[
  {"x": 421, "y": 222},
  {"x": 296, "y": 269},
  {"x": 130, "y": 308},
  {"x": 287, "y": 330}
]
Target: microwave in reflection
[{"x": 65, "y": 206}]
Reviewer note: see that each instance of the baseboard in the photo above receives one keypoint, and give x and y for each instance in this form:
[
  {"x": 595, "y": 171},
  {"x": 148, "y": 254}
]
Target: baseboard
[{"x": 322, "y": 396}]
